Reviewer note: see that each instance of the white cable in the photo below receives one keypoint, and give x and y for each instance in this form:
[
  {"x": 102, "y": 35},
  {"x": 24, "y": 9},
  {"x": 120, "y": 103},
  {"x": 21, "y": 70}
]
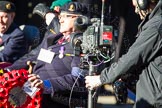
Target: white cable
[{"x": 73, "y": 88}]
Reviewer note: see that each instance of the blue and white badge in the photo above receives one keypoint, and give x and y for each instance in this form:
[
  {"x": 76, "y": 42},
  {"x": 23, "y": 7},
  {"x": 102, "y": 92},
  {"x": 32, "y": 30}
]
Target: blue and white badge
[{"x": 31, "y": 91}]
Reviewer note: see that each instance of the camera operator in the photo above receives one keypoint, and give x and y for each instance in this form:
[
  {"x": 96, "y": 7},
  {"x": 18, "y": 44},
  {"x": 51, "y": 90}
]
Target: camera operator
[{"x": 144, "y": 54}]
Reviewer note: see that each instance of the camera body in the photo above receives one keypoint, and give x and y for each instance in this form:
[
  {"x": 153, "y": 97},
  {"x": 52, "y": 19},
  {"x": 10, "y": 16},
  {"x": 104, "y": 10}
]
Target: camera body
[
  {"x": 94, "y": 40},
  {"x": 95, "y": 37}
]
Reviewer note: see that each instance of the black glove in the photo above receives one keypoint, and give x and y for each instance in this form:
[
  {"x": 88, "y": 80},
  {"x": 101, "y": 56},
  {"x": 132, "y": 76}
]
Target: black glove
[
  {"x": 120, "y": 91},
  {"x": 41, "y": 9}
]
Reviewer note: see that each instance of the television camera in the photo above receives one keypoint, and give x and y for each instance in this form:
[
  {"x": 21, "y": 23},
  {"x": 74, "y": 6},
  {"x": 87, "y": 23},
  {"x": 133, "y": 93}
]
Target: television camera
[
  {"x": 96, "y": 41},
  {"x": 93, "y": 45}
]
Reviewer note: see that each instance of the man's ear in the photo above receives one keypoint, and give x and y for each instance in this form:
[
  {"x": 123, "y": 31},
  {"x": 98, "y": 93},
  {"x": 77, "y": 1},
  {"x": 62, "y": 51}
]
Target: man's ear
[{"x": 13, "y": 15}]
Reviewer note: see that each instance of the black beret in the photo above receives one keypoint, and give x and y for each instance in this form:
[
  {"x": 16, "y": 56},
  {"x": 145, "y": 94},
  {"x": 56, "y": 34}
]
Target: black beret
[
  {"x": 6, "y": 6},
  {"x": 75, "y": 8}
]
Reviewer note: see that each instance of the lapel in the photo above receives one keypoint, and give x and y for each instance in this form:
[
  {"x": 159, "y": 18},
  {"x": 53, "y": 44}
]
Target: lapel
[
  {"x": 10, "y": 32},
  {"x": 5, "y": 37},
  {"x": 1, "y": 41},
  {"x": 52, "y": 40}
]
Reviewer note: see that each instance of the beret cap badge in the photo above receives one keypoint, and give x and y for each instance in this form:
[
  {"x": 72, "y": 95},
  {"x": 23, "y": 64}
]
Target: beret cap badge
[
  {"x": 71, "y": 7},
  {"x": 8, "y": 6},
  {"x": 75, "y": 8}
]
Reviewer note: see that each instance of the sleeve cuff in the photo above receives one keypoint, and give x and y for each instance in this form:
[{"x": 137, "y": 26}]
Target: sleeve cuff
[
  {"x": 77, "y": 72},
  {"x": 47, "y": 87}
]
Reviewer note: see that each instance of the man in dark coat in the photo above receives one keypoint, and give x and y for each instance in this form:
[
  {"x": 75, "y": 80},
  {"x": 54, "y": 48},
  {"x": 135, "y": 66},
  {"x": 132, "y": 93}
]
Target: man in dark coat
[
  {"x": 12, "y": 41},
  {"x": 144, "y": 55}
]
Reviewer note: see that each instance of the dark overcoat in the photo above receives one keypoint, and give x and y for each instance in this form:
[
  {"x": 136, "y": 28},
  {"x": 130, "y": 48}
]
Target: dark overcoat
[
  {"x": 144, "y": 55},
  {"x": 14, "y": 44}
]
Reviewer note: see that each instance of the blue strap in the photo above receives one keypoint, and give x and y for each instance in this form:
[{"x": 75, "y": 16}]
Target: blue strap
[
  {"x": 47, "y": 87},
  {"x": 131, "y": 95}
]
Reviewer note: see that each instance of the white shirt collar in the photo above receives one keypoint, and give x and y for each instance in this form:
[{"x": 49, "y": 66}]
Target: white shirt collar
[{"x": 1, "y": 34}]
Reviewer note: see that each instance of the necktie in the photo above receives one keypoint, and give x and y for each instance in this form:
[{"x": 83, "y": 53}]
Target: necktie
[
  {"x": 64, "y": 39},
  {"x": 1, "y": 41},
  {"x": 60, "y": 41}
]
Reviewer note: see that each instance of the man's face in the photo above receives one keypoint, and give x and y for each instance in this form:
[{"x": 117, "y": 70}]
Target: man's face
[
  {"x": 67, "y": 22},
  {"x": 5, "y": 21},
  {"x": 141, "y": 13}
]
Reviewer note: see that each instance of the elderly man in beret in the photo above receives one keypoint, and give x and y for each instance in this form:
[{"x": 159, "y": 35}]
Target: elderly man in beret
[
  {"x": 12, "y": 39},
  {"x": 57, "y": 69},
  {"x": 58, "y": 73}
]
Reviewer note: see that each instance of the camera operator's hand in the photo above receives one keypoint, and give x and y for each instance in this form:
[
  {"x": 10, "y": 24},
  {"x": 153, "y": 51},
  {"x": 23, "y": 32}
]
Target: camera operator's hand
[
  {"x": 35, "y": 81},
  {"x": 92, "y": 82}
]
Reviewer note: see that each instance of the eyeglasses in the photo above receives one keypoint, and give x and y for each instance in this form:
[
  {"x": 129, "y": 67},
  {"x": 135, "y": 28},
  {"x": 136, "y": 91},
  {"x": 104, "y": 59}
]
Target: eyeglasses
[{"x": 66, "y": 16}]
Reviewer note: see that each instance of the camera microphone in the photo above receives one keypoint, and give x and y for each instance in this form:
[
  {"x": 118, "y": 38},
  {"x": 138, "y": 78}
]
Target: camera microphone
[{"x": 81, "y": 23}]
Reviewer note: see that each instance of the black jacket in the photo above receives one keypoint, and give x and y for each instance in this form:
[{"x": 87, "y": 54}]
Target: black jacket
[{"x": 145, "y": 53}]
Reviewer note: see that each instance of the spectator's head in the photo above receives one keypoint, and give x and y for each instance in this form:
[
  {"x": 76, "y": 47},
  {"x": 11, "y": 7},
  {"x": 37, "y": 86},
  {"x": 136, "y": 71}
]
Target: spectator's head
[
  {"x": 56, "y": 4},
  {"x": 7, "y": 14},
  {"x": 69, "y": 13},
  {"x": 144, "y": 7}
]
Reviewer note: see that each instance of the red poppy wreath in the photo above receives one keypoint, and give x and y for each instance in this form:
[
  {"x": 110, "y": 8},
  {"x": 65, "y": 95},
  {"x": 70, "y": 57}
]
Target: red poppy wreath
[{"x": 12, "y": 94}]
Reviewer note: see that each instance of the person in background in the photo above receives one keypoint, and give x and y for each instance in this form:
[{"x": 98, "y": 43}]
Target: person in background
[
  {"x": 12, "y": 40},
  {"x": 144, "y": 55},
  {"x": 55, "y": 7},
  {"x": 49, "y": 13}
]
